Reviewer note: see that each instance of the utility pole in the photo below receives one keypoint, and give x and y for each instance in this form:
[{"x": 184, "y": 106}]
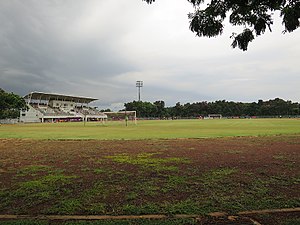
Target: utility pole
[{"x": 139, "y": 84}]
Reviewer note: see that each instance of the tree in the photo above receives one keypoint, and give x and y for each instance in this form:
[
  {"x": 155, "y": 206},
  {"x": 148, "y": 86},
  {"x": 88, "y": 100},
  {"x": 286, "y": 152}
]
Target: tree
[
  {"x": 105, "y": 110},
  {"x": 160, "y": 108},
  {"x": 276, "y": 107},
  {"x": 10, "y": 105},
  {"x": 256, "y": 16},
  {"x": 143, "y": 109}
]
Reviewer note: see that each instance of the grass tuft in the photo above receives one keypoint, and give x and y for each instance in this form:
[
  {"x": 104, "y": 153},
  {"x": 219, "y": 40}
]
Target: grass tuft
[{"x": 147, "y": 161}]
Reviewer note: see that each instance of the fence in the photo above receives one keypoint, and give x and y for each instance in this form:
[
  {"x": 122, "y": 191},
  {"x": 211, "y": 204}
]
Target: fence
[{"x": 9, "y": 121}]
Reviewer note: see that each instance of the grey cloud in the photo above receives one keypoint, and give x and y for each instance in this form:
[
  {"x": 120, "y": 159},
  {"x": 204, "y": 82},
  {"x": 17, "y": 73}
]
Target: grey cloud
[
  {"x": 100, "y": 48},
  {"x": 34, "y": 57}
]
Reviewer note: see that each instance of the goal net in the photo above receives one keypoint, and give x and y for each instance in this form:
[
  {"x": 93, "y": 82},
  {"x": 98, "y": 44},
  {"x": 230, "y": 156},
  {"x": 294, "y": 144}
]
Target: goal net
[{"x": 122, "y": 116}]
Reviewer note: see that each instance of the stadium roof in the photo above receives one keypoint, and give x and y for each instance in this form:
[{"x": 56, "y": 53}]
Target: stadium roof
[{"x": 51, "y": 96}]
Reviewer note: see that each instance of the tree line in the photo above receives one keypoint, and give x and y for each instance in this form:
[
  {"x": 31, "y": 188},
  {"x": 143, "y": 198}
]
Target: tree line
[
  {"x": 275, "y": 108},
  {"x": 10, "y": 105}
]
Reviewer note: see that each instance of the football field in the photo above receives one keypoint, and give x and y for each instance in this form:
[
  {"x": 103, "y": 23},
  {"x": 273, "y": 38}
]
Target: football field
[
  {"x": 155, "y": 168},
  {"x": 153, "y": 129}
]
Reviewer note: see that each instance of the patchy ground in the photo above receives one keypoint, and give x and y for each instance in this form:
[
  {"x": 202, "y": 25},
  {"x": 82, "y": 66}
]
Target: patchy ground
[{"x": 183, "y": 176}]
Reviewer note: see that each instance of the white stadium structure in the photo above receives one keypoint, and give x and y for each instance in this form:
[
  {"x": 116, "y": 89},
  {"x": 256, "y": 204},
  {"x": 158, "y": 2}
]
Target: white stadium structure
[{"x": 47, "y": 107}]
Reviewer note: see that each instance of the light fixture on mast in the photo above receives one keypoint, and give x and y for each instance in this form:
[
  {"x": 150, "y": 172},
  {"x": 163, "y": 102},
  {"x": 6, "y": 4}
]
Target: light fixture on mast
[{"x": 139, "y": 84}]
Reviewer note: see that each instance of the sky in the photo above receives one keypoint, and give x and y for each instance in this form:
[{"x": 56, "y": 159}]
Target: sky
[{"x": 100, "y": 48}]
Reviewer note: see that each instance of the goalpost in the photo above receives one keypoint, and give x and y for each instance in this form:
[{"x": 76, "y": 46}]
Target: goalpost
[
  {"x": 122, "y": 116},
  {"x": 215, "y": 116}
]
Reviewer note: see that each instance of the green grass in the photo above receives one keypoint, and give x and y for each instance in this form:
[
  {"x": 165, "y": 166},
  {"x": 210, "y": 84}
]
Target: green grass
[
  {"x": 106, "y": 222},
  {"x": 36, "y": 190},
  {"x": 33, "y": 170},
  {"x": 148, "y": 182},
  {"x": 295, "y": 221},
  {"x": 65, "y": 207},
  {"x": 24, "y": 222},
  {"x": 165, "y": 129},
  {"x": 146, "y": 160}
]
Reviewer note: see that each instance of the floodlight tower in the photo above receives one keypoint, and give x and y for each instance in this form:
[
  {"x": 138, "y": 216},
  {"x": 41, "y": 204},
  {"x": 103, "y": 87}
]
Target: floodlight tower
[{"x": 139, "y": 84}]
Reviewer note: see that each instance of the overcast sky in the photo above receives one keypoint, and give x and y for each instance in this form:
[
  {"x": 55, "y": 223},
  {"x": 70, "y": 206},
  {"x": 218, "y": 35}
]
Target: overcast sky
[{"x": 100, "y": 48}]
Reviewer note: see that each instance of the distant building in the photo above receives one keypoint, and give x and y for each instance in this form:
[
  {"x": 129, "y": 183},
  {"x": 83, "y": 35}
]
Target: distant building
[{"x": 48, "y": 107}]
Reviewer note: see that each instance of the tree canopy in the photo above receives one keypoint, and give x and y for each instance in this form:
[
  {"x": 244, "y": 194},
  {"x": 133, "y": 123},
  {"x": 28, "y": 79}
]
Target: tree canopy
[
  {"x": 10, "y": 105},
  {"x": 255, "y": 16},
  {"x": 274, "y": 108}
]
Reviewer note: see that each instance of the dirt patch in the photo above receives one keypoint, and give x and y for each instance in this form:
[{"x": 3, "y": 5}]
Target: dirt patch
[{"x": 186, "y": 176}]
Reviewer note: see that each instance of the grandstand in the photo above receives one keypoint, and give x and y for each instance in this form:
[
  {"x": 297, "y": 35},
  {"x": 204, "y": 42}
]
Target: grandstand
[{"x": 48, "y": 107}]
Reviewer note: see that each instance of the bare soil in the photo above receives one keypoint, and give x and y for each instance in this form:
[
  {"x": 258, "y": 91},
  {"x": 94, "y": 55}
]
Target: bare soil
[{"x": 269, "y": 166}]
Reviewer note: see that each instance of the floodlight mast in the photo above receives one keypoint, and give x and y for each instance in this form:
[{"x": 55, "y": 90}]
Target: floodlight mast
[{"x": 139, "y": 84}]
